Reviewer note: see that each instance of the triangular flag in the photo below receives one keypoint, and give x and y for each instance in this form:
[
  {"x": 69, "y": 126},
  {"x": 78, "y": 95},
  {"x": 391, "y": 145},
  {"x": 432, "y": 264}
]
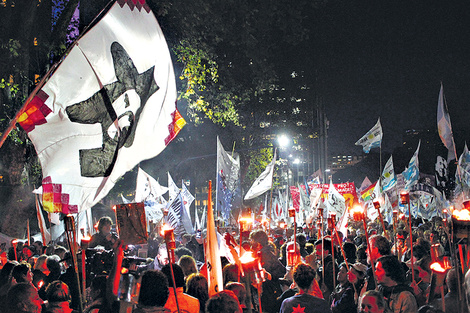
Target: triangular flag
[
  {"x": 388, "y": 175},
  {"x": 264, "y": 182},
  {"x": 444, "y": 127},
  {"x": 147, "y": 187}
]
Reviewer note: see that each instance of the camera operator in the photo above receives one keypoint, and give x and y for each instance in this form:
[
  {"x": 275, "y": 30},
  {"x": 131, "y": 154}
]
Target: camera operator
[{"x": 104, "y": 237}]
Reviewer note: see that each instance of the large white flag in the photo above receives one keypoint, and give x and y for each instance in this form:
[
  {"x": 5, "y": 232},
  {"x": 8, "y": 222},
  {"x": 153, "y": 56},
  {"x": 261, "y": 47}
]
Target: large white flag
[
  {"x": 372, "y": 139},
  {"x": 147, "y": 187},
  {"x": 444, "y": 127},
  {"x": 388, "y": 175},
  {"x": 112, "y": 95},
  {"x": 336, "y": 202},
  {"x": 264, "y": 182},
  {"x": 173, "y": 189}
]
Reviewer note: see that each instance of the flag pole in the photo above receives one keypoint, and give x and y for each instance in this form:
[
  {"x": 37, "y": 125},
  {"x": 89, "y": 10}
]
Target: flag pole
[{"x": 271, "y": 196}]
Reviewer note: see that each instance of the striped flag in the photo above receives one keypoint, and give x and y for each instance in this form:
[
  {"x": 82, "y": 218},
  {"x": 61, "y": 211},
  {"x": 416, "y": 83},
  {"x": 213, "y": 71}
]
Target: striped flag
[{"x": 388, "y": 175}]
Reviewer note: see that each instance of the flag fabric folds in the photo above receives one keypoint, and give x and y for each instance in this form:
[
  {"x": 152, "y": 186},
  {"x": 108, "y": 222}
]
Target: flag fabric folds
[
  {"x": 173, "y": 189},
  {"x": 463, "y": 171},
  {"x": 112, "y": 94},
  {"x": 45, "y": 234},
  {"x": 411, "y": 173},
  {"x": 228, "y": 172},
  {"x": 213, "y": 262},
  {"x": 444, "y": 127},
  {"x": 263, "y": 183},
  {"x": 388, "y": 176},
  {"x": 372, "y": 139},
  {"x": 335, "y": 202},
  {"x": 147, "y": 187}
]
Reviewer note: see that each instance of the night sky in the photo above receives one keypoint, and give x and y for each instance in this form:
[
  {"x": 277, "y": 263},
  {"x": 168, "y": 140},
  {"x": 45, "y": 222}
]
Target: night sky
[{"x": 387, "y": 59}]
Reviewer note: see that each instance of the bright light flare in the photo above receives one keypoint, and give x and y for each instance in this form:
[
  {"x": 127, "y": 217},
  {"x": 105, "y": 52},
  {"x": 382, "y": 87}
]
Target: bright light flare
[
  {"x": 462, "y": 215},
  {"x": 165, "y": 228},
  {"x": 247, "y": 257}
]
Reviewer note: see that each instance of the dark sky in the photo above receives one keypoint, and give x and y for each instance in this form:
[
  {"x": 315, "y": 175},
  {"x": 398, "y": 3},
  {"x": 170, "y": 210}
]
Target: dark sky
[{"x": 386, "y": 59}]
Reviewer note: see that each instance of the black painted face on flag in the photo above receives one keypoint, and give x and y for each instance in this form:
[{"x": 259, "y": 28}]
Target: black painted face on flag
[{"x": 117, "y": 108}]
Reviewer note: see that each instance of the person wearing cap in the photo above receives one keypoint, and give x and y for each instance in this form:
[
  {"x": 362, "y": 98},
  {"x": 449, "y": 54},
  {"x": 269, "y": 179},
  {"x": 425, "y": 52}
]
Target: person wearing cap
[{"x": 357, "y": 276}]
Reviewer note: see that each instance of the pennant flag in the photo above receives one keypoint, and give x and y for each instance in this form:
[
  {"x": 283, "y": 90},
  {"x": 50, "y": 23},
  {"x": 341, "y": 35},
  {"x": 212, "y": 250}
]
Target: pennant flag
[
  {"x": 147, "y": 187},
  {"x": 264, "y": 182},
  {"x": 411, "y": 173},
  {"x": 228, "y": 173},
  {"x": 93, "y": 120},
  {"x": 335, "y": 202},
  {"x": 444, "y": 127},
  {"x": 173, "y": 189},
  {"x": 365, "y": 184},
  {"x": 295, "y": 195},
  {"x": 372, "y": 139},
  {"x": 45, "y": 234},
  {"x": 213, "y": 262},
  {"x": 388, "y": 175}
]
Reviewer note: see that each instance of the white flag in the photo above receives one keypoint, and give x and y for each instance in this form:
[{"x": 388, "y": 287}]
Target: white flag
[
  {"x": 264, "y": 182},
  {"x": 388, "y": 175},
  {"x": 336, "y": 202},
  {"x": 93, "y": 119},
  {"x": 173, "y": 189},
  {"x": 444, "y": 127},
  {"x": 147, "y": 187},
  {"x": 372, "y": 139}
]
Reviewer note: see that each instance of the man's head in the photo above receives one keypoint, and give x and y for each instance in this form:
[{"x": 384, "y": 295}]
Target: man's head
[
  {"x": 58, "y": 291},
  {"x": 177, "y": 271},
  {"x": 153, "y": 289},
  {"x": 342, "y": 276},
  {"x": 162, "y": 254},
  {"x": 379, "y": 246},
  {"x": 223, "y": 301},
  {"x": 389, "y": 271},
  {"x": 303, "y": 276},
  {"x": 23, "y": 298},
  {"x": 259, "y": 239},
  {"x": 324, "y": 248},
  {"x": 372, "y": 302},
  {"x": 104, "y": 225}
]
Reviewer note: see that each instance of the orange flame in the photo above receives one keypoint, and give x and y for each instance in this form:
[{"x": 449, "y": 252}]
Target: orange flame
[
  {"x": 462, "y": 215},
  {"x": 247, "y": 220},
  {"x": 165, "y": 228},
  {"x": 247, "y": 257}
]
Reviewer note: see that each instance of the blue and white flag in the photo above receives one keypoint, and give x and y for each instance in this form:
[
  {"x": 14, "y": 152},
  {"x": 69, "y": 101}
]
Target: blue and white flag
[
  {"x": 444, "y": 127},
  {"x": 372, "y": 139},
  {"x": 228, "y": 173},
  {"x": 388, "y": 175},
  {"x": 411, "y": 173}
]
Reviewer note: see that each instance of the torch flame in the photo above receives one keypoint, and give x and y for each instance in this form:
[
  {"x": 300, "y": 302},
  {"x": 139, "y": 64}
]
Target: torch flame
[
  {"x": 462, "y": 215},
  {"x": 247, "y": 220},
  {"x": 247, "y": 257},
  {"x": 165, "y": 228}
]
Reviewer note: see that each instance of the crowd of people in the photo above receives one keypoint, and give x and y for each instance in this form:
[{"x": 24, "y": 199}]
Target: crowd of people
[{"x": 373, "y": 270}]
